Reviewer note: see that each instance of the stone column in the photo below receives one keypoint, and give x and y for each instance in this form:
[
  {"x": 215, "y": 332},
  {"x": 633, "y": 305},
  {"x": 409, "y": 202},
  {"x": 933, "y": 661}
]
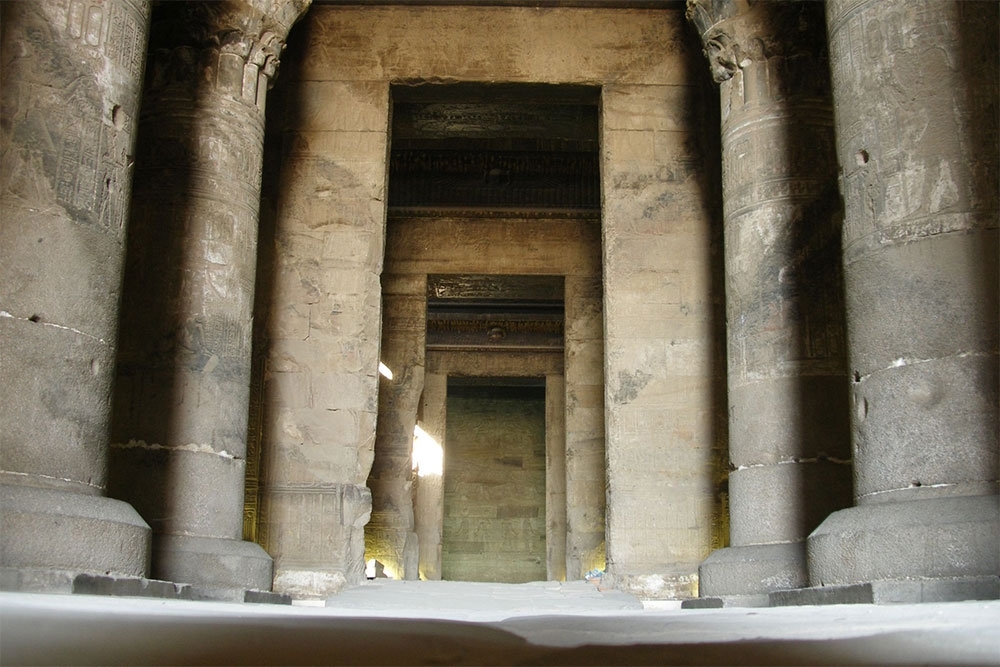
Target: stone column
[
  {"x": 583, "y": 423},
  {"x": 71, "y": 79},
  {"x": 916, "y": 84},
  {"x": 555, "y": 477},
  {"x": 184, "y": 369},
  {"x": 428, "y": 503},
  {"x": 390, "y": 537},
  {"x": 788, "y": 412}
]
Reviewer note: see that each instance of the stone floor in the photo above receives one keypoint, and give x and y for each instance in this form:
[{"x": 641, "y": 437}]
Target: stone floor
[{"x": 448, "y": 623}]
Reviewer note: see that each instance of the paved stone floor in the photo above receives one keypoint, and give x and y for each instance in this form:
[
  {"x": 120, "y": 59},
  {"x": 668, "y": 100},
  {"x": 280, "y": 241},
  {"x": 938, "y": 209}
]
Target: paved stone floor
[{"x": 409, "y": 623}]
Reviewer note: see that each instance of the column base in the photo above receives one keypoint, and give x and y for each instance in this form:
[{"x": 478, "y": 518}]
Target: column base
[
  {"x": 936, "y": 539},
  {"x": 653, "y": 586},
  {"x": 61, "y": 531},
  {"x": 310, "y": 584},
  {"x": 893, "y": 592},
  {"x": 212, "y": 564},
  {"x": 753, "y": 571}
]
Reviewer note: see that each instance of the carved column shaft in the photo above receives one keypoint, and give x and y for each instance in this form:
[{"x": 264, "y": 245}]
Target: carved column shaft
[
  {"x": 184, "y": 378},
  {"x": 390, "y": 537},
  {"x": 71, "y": 78},
  {"x": 916, "y": 88},
  {"x": 789, "y": 444}
]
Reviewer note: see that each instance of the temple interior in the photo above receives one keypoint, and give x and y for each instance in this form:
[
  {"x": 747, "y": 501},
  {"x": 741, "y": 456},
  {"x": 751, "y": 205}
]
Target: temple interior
[{"x": 696, "y": 302}]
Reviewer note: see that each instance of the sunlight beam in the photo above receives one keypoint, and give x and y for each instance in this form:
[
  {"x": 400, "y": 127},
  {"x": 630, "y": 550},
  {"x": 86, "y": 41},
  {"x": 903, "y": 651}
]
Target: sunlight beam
[{"x": 428, "y": 455}]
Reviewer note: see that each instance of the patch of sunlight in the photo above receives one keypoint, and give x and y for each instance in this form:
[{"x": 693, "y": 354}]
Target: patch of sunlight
[
  {"x": 385, "y": 371},
  {"x": 428, "y": 456}
]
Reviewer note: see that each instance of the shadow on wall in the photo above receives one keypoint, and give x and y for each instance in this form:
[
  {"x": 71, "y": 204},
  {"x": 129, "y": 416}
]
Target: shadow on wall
[{"x": 705, "y": 113}]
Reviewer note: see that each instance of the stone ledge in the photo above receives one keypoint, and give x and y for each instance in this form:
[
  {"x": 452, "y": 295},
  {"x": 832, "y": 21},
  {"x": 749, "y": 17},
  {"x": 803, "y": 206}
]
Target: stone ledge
[
  {"x": 892, "y": 592},
  {"x": 238, "y": 595},
  {"x": 88, "y": 584},
  {"x": 727, "y": 601},
  {"x": 65, "y": 582}
]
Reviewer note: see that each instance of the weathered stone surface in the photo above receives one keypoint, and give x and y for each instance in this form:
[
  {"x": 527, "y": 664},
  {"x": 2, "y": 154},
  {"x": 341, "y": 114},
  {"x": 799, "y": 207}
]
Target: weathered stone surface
[
  {"x": 937, "y": 538},
  {"x": 71, "y": 81},
  {"x": 748, "y": 570},
  {"x": 784, "y": 502},
  {"x": 892, "y": 592},
  {"x": 66, "y": 530},
  {"x": 658, "y": 361},
  {"x": 88, "y": 584},
  {"x": 347, "y": 109},
  {"x": 788, "y": 411},
  {"x": 920, "y": 256},
  {"x": 491, "y": 43},
  {"x": 183, "y": 403},
  {"x": 494, "y": 486},
  {"x": 316, "y": 533}
]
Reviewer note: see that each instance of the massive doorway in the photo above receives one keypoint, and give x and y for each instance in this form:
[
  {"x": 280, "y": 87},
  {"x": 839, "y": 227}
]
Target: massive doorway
[{"x": 492, "y": 333}]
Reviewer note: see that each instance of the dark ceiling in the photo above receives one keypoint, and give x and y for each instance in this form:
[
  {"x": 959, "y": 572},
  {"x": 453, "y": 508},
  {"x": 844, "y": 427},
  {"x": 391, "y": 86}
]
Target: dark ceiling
[
  {"x": 613, "y": 4},
  {"x": 495, "y": 147}
]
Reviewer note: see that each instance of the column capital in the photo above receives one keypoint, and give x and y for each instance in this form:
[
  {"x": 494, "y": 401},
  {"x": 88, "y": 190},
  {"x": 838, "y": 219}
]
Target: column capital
[
  {"x": 212, "y": 23},
  {"x": 254, "y": 31},
  {"x": 736, "y": 34}
]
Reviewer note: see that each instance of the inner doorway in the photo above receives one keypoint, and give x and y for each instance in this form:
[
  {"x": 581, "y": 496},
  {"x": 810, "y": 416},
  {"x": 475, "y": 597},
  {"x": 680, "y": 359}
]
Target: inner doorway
[
  {"x": 493, "y": 253},
  {"x": 494, "y": 481}
]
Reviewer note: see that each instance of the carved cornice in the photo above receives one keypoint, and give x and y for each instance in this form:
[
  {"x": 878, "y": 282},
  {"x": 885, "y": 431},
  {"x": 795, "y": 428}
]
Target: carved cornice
[{"x": 735, "y": 34}]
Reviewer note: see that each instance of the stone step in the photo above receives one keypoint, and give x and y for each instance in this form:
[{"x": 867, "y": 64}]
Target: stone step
[{"x": 480, "y": 601}]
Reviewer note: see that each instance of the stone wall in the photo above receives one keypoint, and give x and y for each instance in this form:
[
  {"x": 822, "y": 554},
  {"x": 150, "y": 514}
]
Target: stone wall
[
  {"x": 494, "y": 485},
  {"x": 418, "y": 246},
  {"x": 324, "y": 305},
  {"x": 662, "y": 364}
]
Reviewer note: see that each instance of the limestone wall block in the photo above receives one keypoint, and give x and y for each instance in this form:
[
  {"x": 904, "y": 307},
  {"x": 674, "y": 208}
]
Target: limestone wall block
[
  {"x": 559, "y": 249},
  {"x": 298, "y": 354},
  {"x": 584, "y": 325},
  {"x": 648, "y": 107},
  {"x": 329, "y": 389},
  {"x": 287, "y": 325},
  {"x": 491, "y": 43},
  {"x": 585, "y": 428},
  {"x": 288, "y": 390},
  {"x": 293, "y": 463},
  {"x": 582, "y": 396},
  {"x": 346, "y": 145},
  {"x": 320, "y": 191},
  {"x": 330, "y": 104},
  {"x": 585, "y": 463},
  {"x": 315, "y": 428},
  {"x": 588, "y": 355}
]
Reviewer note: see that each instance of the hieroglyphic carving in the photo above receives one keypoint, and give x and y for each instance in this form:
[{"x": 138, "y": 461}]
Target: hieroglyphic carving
[{"x": 92, "y": 179}]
